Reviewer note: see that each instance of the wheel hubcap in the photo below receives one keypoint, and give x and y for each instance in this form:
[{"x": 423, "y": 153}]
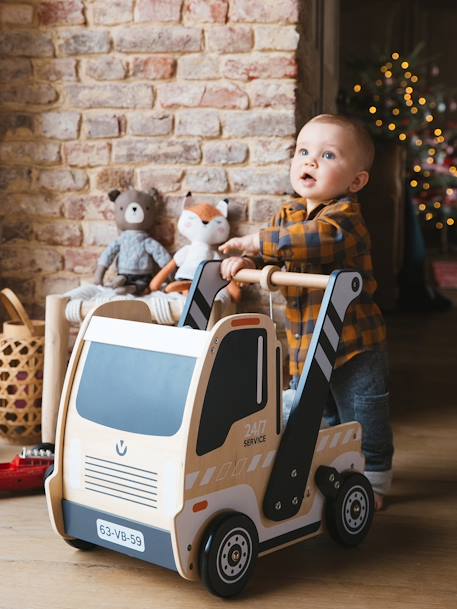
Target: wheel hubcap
[
  {"x": 355, "y": 510},
  {"x": 234, "y": 555}
]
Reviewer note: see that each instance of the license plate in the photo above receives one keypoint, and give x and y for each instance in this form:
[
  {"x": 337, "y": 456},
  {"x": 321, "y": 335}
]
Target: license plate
[{"x": 123, "y": 536}]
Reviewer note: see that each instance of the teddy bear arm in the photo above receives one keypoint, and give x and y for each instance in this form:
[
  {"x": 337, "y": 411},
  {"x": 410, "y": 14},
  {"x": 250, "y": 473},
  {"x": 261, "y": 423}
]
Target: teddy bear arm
[{"x": 157, "y": 251}]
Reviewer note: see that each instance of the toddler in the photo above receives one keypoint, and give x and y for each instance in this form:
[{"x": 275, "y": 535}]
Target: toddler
[{"x": 318, "y": 233}]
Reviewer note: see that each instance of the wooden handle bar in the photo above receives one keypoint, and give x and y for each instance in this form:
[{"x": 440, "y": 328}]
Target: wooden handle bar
[{"x": 270, "y": 277}]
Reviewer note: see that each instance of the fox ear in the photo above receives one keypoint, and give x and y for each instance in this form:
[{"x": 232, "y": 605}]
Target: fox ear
[
  {"x": 188, "y": 200},
  {"x": 222, "y": 206},
  {"x": 113, "y": 194}
]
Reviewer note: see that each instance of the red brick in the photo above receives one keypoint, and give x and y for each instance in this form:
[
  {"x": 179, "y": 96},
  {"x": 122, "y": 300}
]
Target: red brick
[
  {"x": 54, "y": 284},
  {"x": 15, "y": 69},
  {"x": 113, "y": 177},
  {"x": 59, "y": 233},
  {"x": 106, "y": 68},
  {"x": 16, "y": 124},
  {"x": 112, "y": 95},
  {"x": 16, "y": 14},
  {"x": 225, "y": 153},
  {"x": 15, "y": 179},
  {"x": 230, "y": 38},
  {"x": 206, "y": 11},
  {"x": 99, "y": 233},
  {"x": 260, "y": 66},
  {"x": 81, "y": 260},
  {"x": 154, "y": 123},
  {"x": 61, "y": 12},
  {"x": 203, "y": 123},
  {"x": 258, "y": 124},
  {"x": 158, "y": 10},
  {"x": 276, "y": 38},
  {"x": 26, "y": 44},
  {"x": 156, "y": 151},
  {"x": 175, "y": 95},
  {"x": 60, "y": 125},
  {"x": 224, "y": 96},
  {"x": 29, "y": 152},
  {"x": 17, "y": 230},
  {"x": 36, "y": 95},
  {"x": 154, "y": 68},
  {"x": 55, "y": 69},
  {"x": 271, "y": 151},
  {"x": 87, "y": 154},
  {"x": 164, "y": 231},
  {"x": 84, "y": 42},
  {"x": 265, "y": 94},
  {"x": 88, "y": 207},
  {"x": 165, "y": 180},
  {"x": 210, "y": 179},
  {"x": 264, "y": 11},
  {"x": 102, "y": 125},
  {"x": 256, "y": 181},
  {"x": 111, "y": 12},
  {"x": 38, "y": 259},
  {"x": 61, "y": 180},
  {"x": 158, "y": 40},
  {"x": 32, "y": 205},
  {"x": 199, "y": 67}
]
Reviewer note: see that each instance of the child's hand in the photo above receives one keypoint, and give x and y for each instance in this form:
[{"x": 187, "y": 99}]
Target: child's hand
[
  {"x": 249, "y": 244},
  {"x": 231, "y": 266}
]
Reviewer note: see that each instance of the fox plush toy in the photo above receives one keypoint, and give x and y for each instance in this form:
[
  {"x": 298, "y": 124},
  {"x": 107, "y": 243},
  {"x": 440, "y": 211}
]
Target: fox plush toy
[{"x": 206, "y": 226}]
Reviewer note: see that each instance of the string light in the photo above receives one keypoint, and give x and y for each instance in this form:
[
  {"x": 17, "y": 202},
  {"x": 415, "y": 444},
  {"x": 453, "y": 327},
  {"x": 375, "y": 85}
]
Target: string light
[
  {"x": 404, "y": 65},
  {"x": 408, "y": 74},
  {"x": 430, "y": 160},
  {"x": 413, "y": 183},
  {"x": 449, "y": 191},
  {"x": 391, "y": 126},
  {"x": 437, "y": 132},
  {"x": 372, "y": 110},
  {"x": 425, "y": 185},
  {"x": 417, "y": 168},
  {"x": 409, "y": 102},
  {"x": 450, "y": 221},
  {"x": 422, "y": 101},
  {"x": 414, "y": 110},
  {"x": 414, "y": 78},
  {"x": 428, "y": 216},
  {"x": 429, "y": 118},
  {"x": 418, "y": 142},
  {"x": 431, "y": 151},
  {"x": 437, "y": 205},
  {"x": 409, "y": 89},
  {"x": 388, "y": 74},
  {"x": 395, "y": 55},
  {"x": 357, "y": 88},
  {"x": 402, "y": 136},
  {"x": 439, "y": 225},
  {"x": 395, "y": 111},
  {"x": 422, "y": 207},
  {"x": 378, "y": 123}
]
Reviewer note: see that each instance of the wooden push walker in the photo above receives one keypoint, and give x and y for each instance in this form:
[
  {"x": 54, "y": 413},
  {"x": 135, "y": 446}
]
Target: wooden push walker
[{"x": 170, "y": 442}]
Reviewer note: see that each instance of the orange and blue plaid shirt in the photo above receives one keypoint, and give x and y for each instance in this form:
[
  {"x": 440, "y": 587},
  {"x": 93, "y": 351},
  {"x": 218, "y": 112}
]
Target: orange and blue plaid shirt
[{"x": 332, "y": 236}]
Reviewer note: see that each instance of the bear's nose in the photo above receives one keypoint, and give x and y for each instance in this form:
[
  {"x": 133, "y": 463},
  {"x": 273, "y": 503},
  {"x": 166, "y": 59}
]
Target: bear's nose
[{"x": 134, "y": 208}]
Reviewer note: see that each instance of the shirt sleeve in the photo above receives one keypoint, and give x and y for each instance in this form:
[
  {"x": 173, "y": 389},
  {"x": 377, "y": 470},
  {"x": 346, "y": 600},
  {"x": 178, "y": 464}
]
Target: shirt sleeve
[
  {"x": 318, "y": 241},
  {"x": 109, "y": 254},
  {"x": 157, "y": 251}
]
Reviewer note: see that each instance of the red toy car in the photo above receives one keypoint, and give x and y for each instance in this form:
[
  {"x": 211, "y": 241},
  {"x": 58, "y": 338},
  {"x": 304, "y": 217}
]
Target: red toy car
[{"x": 27, "y": 471}]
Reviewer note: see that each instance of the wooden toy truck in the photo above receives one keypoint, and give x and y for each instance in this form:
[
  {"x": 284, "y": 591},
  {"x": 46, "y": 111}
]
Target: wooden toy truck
[{"x": 170, "y": 441}]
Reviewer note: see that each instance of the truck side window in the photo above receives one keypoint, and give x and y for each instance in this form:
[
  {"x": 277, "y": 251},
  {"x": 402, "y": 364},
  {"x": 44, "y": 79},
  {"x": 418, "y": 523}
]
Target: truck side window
[{"x": 237, "y": 386}]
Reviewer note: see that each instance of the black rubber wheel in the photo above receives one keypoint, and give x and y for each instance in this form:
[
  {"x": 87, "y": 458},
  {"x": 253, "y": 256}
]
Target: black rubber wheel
[
  {"x": 80, "y": 544},
  {"x": 350, "y": 514},
  {"x": 228, "y": 554}
]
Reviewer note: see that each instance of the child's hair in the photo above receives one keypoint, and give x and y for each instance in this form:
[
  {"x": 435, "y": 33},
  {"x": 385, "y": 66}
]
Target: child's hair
[{"x": 360, "y": 132}]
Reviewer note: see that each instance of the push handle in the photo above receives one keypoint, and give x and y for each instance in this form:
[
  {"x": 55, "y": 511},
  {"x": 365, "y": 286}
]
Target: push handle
[
  {"x": 271, "y": 278},
  {"x": 15, "y": 309}
]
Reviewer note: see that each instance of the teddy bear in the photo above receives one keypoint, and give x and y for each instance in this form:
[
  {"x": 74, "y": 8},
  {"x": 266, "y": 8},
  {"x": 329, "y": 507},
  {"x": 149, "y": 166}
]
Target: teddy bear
[
  {"x": 138, "y": 254},
  {"x": 205, "y": 226}
]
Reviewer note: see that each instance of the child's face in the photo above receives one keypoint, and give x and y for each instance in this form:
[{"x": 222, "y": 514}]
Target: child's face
[{"x": 326, "y": 163}]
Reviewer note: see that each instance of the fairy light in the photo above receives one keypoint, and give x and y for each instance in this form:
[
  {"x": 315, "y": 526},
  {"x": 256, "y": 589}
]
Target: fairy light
[
  {"x": 391, "y": 126},
  {"x": 408, "y": 74},
  {"x": 407, "y": 96},
  {"x": 383, "y": 69},
  {"x": 417, "y": 168},
  {"x": 404, "y": 65},
  {"x": 440, "y": 139},
  {"x": 450, "y": 221},
  {"x": 449, "y": 191},
  {"x": 409, "y": 89},
  {"x": 395, "y": 111},
  {"x": 436, "y": 204},
  {"x": 422, "y": 207},
  {"x": 414, "y": 110},
  {"x": 378, "y": 83},
  {"x": 428, "y": 216},
  {"x": 402, "y": 136},
  {"x": 453, "y": 169},
  {"x": 418, "y": 142},
  {"x": 357, "y": 88},
  {"x": 430, "y": 160},
  {"x": 437, "y": 132},
  {"x": 388, "y": 74},
  {"x": 395, "y": 55},
  {"x": 422, "y": 101},
  {"x": 414, "y": 78},
  {"x": 429, "y": 118},
  {"x": 378, "y": 123},
  {"x": 372, "y": 109},
  {"x": 409, "y": 102},
  {"x": 426, "y": 174},
  {"x": 413, "y": 183},
  {"x": 425, "y": 185},
  {"x": 431, "y": 151},
  {"x": 439, "y": 225}
]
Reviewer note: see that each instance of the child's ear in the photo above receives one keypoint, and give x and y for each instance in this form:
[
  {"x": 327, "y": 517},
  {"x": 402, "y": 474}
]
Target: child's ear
[
  {"x": 360, "y": 180},
  {"x": 222, "y": 206}
]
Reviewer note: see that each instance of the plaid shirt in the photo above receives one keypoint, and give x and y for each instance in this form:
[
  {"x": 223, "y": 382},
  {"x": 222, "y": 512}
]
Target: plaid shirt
[{"x": 333, "y": 236}]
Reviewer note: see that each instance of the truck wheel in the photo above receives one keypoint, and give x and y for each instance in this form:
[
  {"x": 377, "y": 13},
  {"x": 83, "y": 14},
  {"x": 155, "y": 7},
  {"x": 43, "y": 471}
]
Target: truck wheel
[
  {"x": 80, "y": 544},
  {"x": 228, "y": 554},
  {"x": 349, "y": 515}
]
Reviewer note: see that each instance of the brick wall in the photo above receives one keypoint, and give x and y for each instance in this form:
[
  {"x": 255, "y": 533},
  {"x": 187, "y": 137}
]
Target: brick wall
[{"x": 177, "y": 94}]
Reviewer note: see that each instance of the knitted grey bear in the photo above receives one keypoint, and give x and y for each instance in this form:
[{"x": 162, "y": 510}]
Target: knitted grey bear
[{"x": 138, "y": 254}]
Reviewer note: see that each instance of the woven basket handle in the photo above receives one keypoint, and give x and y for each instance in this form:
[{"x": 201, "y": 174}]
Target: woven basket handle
[{"x": 15, "y": 309}]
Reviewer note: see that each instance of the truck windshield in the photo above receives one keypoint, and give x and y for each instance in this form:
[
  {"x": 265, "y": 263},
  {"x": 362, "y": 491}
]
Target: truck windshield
[{"x": 134, "y": 390}]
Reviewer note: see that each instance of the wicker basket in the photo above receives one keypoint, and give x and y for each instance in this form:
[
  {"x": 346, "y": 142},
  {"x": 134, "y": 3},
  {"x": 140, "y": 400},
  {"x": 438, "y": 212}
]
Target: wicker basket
[{"x": 21, "y": 373}]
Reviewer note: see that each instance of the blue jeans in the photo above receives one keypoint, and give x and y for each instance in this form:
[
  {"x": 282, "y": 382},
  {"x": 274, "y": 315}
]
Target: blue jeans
[{"x": 359, "y": 392}]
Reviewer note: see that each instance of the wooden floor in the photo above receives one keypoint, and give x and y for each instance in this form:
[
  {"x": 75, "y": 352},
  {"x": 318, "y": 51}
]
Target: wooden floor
[{"x": 409, "y": 560}]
